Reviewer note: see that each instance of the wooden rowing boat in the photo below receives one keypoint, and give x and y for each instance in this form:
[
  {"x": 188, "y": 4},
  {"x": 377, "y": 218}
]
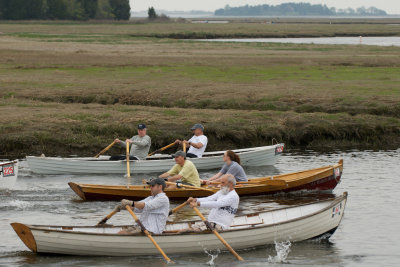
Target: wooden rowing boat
[
  {"x": 323, "y": 178},
  {"x": 8, "y": 174},
  {"x": 295, "y": 223},
  {"x": 257, "y": 156}
]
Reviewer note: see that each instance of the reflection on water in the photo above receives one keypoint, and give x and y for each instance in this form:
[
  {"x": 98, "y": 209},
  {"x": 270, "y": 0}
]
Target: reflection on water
[{"x": 368, "y": 235}]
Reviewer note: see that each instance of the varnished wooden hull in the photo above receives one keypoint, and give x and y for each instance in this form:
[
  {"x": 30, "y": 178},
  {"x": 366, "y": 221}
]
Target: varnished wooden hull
[{"x": 324, "y": 178}]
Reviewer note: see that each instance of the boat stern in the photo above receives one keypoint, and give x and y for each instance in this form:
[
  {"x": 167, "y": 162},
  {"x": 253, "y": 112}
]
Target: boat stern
[{"x": 25, "y": 234}]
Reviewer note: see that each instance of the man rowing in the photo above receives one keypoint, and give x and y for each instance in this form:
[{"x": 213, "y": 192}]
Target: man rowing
[
  {"x": 183, "y": 171},
  {"x": 140, "y": 145},
  {"x": 153, "y": 210},
  {"x": 197, "y": 144},
  {"x": 223, "y": 205}
]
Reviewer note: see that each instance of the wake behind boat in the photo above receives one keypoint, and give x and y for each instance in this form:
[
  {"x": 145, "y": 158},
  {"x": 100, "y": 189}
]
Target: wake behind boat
[
  {"x": 324, "y": 179},
  {"x": 8, "y": 174},
  {"x": 294, "y": 224},
  {"x": 257, "y": 156}
]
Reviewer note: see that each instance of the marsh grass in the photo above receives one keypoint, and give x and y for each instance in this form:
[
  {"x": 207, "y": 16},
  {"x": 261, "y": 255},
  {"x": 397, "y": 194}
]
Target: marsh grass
[{"x": 97, "y": 81}]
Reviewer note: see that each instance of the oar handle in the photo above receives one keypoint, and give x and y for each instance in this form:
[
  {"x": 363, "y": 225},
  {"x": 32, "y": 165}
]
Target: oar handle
[
  {"x": 178, "y": 208},
  {"x": 217, "y": 234},
  {"x": 105, "y": 149},
  {"x": 192, "y": 187},
  {"x": 148, "y": 234},
  {"x": 105, "y": 219},
  {"x": 161, "y": 149}
]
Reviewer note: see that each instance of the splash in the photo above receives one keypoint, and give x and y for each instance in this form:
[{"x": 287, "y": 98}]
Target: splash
[
  {"x": 212, "y": 255},
  {"x": 282, "y": 251}
]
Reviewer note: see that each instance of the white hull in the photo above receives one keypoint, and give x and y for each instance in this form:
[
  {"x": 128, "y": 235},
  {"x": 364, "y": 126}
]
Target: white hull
[
  {"x": 288, "y": 224},
  {"x": 9, "y": 174},
  {"x": 258, "y": 156}
]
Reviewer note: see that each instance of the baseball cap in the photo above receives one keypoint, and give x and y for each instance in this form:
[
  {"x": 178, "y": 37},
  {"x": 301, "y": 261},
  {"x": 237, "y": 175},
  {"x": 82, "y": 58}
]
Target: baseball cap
[
  {"x": 155, "y": 181},
  {"x": 141, "y": 126},
  {"x": 197, "y": 126},
  {"x": 179, "y": 153}
]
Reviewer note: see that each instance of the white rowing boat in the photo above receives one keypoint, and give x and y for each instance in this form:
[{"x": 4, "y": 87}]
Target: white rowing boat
[
  {"x": 257, "y": 156},
  {"x": 8, "y": 174},
  {"x": 295, "y": 223}
]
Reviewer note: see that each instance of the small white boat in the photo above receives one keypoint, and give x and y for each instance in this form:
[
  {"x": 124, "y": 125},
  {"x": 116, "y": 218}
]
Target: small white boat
[
  {"x": 257, "y": 156},
  {"x": 294, "y": 224},
  {"x": 8, "y": 174}
]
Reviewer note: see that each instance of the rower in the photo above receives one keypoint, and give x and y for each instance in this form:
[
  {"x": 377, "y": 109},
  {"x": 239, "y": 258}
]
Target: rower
[
  {"x": 154, "y": 209},
  {"x": 183, "y": 171},
  {"x": 223, "y": 204}
]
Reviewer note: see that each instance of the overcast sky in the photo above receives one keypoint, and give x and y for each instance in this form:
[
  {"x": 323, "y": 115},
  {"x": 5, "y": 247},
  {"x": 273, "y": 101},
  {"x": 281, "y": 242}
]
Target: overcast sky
[{"x": 390, "y": 6}]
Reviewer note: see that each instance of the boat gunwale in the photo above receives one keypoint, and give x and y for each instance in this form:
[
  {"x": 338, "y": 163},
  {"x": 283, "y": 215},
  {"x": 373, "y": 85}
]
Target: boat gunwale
[{"x": 334, "y": 202}]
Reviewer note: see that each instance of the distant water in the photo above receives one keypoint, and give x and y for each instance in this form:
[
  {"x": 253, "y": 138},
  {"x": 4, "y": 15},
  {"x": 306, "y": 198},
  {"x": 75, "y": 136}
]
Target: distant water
[
  {"x": 356, "y": 40},
  {"x": 369, "y": 234}
]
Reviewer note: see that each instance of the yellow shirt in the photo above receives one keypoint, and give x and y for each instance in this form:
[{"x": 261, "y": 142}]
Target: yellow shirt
[{"x": 188, "y": 171}]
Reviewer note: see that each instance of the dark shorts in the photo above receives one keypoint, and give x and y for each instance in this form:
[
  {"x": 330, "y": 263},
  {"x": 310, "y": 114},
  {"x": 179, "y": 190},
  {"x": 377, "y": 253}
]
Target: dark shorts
[
  {"x": 122, "y": 157},
  {"x": 191, "y": 155}
]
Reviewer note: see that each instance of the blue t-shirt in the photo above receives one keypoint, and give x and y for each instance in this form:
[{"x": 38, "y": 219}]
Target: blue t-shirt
[{"x": 236, "y": 170}]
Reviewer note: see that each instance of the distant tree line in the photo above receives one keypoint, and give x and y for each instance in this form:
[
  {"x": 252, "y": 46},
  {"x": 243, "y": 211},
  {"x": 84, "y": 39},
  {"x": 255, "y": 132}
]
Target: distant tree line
[
  {"x": 64, "y": 9},
  {"x": 296, "y": 9}
]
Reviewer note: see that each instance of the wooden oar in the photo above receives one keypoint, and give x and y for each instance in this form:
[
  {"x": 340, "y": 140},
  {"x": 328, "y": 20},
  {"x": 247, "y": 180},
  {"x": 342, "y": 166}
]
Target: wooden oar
[
  {"x": 105, "y": 149},
  {"x": 192, "y": 187},
  {"x": 128, "y": 169},
  {"x": 217, "y": 234},
  {"x": 148, "y": 234},
  {"x": 161, "y": 149},
  {"x": 178, "y": 208},
  {"x": 105, "y": 219}
]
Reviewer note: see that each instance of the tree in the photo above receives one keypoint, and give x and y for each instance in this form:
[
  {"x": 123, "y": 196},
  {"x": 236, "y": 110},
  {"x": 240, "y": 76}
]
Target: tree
[
  {"x": 89, "y": 8},
  {"x": 120, "y": 9},
  {"x": 104, "y": 10},
  {"x": 57, "y": 9},
  {"x": 152, "y": 13}
]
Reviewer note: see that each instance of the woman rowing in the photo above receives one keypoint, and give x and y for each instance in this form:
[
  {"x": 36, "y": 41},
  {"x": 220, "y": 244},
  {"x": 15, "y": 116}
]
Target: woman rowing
[{"x": 231, "y": 168}]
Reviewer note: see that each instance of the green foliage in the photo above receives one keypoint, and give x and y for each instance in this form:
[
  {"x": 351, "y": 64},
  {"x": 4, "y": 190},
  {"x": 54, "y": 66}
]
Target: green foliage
[
  {"x": 152, "y": 13},
  {"x": 64, "y": 9},
  {"x": 295, "y": 9},
  {"x": 120, "y": 9}
]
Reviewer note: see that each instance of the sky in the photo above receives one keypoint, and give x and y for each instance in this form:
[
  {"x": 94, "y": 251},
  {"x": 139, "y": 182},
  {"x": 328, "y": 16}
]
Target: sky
[{"x": 390, "y": 6}]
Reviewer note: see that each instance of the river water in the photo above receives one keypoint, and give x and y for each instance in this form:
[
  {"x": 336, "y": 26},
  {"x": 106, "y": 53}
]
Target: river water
[
  {"x": 356, "y": 40},
  {"x": 369, "y": 234}
]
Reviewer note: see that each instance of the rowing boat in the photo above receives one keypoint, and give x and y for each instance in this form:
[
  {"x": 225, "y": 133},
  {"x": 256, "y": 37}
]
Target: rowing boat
[
  {"x": 8, "y": 174},
  {"x": 294, "y": 224},
  {"x": 256, "y": 156},
  {"x": 323, "y": 179}
]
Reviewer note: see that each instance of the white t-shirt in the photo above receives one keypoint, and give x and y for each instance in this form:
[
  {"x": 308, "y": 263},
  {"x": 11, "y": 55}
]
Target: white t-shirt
[
  {"x": 223, "y": 207},
  {"x": 198, "y": 139}
]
